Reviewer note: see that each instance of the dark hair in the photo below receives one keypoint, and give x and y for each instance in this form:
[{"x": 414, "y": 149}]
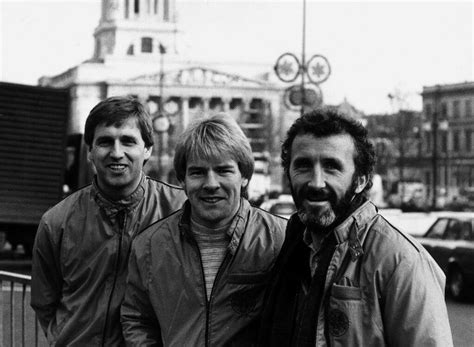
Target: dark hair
[
  {"x": 214, "y": 137},
  {"x": 327, "y": 121},
  {"x": 116, "y": 110}
]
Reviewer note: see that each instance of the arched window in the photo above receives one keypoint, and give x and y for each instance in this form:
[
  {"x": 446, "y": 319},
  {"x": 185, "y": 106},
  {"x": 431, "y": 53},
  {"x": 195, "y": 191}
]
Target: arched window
[
  {"x": 137, "y": 6},
  {"x": 147, "y": 44},
  {"x": 127, "y": 8},
  {"x": 166, "y": 14}
]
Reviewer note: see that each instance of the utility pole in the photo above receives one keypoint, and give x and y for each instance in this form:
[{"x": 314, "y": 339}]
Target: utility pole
[{"x": 303, "y": 61}]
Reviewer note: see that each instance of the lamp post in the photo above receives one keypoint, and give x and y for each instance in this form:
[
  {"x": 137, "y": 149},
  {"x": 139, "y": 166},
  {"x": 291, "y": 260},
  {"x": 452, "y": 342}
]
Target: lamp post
[{"x": 161, "y": 122}]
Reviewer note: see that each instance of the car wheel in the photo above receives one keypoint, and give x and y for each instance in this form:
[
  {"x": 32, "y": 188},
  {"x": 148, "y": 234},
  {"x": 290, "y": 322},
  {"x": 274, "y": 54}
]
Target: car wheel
[{"x": 456, "y": 283}]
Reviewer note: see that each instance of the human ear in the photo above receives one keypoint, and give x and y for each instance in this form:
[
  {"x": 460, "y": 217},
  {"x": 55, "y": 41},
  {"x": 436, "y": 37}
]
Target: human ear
[
  {"x": 148, "y": 151},
  {"x": 361, "y": 183}
]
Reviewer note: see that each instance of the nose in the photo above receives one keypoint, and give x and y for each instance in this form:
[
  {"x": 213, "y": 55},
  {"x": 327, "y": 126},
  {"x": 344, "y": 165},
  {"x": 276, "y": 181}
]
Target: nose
[
  {"x": 318, "y": 180},
  {"x": 116, "y": 150},
  {"x": 211, "y": 181}
]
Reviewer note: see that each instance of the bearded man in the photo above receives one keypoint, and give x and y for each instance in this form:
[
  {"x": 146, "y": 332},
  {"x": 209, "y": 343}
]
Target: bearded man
[{"x": 345, "y": 276}]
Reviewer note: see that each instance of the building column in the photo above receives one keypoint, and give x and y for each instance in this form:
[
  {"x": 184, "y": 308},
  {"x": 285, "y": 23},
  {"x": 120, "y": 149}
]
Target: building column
[
  {"x": 185, "y": 112},
  {"x": 205, "y": 105},
  {"x": 226, "y": 104}
]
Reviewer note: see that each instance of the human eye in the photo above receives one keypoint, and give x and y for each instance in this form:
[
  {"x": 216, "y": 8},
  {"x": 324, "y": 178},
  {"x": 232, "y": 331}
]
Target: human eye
[
  {"x": 129, "y": 141},
  {"x": 301, "y": 164},
  {"x": 333, "y": 165},
  {"x": 225, "y": 170},
  {"x": 103, "y": 142},
  {"x": 194, "y": 172}
]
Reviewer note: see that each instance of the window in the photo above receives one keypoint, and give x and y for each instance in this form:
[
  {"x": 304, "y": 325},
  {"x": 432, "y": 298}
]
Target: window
[
  {"x": 155, "y": 6},
  {"x": 468, "y": 108},
  {"x": 456, "y": 140},
  {"x": 166, "y": 9},
  {"x": 444, "y": 142},
  {"x": 444, "y": 110},
  {"x": 456, "y": 112},
  {"x": 437, "y": 230},
  {"x": 130, "y": 50},
  {"x": 147, "y": 44},
  {"x": 428, "y": 111},
  {"x": 454, "y": 230},
  {"x": 127, "y": 7},
  {"x": 137, "y": 6},
  {"x": 467, "y": 135}
]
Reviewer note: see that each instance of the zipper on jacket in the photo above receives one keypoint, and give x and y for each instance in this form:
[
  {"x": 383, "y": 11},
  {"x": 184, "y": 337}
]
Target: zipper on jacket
[
  {"x": 122, "y": 221},
  {"x": 214, "y": 285},
  {"x": 208, "y": 302}
]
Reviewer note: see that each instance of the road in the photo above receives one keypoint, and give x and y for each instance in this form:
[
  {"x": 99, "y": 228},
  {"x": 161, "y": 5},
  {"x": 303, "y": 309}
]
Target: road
[{"x": 461, "y": 317}]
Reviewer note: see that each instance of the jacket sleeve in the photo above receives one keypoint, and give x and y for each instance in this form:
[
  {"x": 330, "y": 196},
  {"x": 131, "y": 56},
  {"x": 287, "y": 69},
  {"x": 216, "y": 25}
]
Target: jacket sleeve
[
  {"x": 415, "y": 312},
  {"x": 139, "y": 323},
  {"x": 46, "y": 277}
]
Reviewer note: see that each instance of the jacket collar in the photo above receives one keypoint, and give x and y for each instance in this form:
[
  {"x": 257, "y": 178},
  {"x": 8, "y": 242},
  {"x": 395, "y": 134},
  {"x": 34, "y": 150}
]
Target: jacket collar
[
  {"x": 113, "y": 208},
  {"x": 236, "y": 229}
]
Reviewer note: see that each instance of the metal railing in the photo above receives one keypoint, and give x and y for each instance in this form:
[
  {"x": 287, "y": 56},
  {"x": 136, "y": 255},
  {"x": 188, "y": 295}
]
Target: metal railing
[{"x": 18, "y": 322}]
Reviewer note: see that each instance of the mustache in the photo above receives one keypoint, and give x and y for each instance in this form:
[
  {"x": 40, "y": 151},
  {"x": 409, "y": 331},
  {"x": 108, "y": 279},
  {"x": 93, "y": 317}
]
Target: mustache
[{"x": 318, "y": 194}]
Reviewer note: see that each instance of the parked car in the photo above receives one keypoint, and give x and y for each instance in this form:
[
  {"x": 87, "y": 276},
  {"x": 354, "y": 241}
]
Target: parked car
[
  {"x": 450, "y": 241},
  {"x": 282, "y": 206}
]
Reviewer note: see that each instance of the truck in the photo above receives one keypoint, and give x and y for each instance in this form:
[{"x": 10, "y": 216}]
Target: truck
[{"x": 33, "y": 139}]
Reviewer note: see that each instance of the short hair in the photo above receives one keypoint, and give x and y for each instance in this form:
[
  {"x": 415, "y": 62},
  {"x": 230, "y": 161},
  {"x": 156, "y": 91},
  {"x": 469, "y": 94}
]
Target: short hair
[
  {"x": 214, "y": 137},
  {"x": 327, "y": 121},
  {"x": 116, "y": 110}
]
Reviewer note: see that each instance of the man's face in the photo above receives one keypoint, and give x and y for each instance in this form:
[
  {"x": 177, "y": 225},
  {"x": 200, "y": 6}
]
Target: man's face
[
  {"x": 213, "y": 188},
  {"x": 118, "y": 154},
  {"x": 321, "y": 175}
]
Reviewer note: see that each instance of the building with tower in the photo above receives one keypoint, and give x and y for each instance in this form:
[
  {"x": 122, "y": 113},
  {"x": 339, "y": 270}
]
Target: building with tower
[{"x": 137, "y": 53}]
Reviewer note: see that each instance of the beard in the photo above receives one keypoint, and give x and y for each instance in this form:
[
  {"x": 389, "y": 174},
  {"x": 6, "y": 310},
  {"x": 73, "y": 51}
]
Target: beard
[{"x": 326, "y": 216}]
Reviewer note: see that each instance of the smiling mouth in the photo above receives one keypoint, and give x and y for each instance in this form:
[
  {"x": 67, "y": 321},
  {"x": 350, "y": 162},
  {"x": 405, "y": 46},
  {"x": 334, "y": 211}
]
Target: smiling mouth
[
  {"x": 211, "y": 200},
  {"x": 117, "y": 167}
]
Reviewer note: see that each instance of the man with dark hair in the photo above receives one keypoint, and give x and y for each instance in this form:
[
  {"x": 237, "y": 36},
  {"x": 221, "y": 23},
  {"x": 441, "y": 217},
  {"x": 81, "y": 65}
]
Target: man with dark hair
[
  {"x": 82, "y": 245},
  {"x": 345, "y": 276},
  {"x": 197, "y": 277}
]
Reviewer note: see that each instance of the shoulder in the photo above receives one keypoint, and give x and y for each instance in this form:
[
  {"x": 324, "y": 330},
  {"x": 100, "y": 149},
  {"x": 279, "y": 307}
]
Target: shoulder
[
  {"x": 380, "y": 230},
  {"x": 72, "y": 204},
  {"x": 159, "y": 231},
  {"x": 162, "y": 186},
  {"x": 268, "y": 219},
  {"x": 389, "y": 245}
]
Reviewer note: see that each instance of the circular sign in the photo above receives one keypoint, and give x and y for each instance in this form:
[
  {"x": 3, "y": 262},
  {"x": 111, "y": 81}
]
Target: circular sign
[
  {"x": 287, "y": 67},
  {"x": 310, "y": 96},
  {"x": 161, "y": 124},
  {"x": 152, "y": 106},
  {"x": 318, "y": 69},
  {"x": 171, "y": 107}
]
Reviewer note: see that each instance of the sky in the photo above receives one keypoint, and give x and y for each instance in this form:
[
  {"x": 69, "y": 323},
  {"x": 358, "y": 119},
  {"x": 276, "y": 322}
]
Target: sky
[{"x": 375, "y": 48}]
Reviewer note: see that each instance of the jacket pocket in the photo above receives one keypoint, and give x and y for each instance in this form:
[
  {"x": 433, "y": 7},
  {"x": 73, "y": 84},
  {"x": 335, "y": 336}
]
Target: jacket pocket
[
  {"x": 345, "y": 292},
  {"x": 246, "y": 292}
]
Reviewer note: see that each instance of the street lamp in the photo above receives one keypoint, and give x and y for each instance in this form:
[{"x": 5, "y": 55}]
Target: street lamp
[{"x": 161, "y": 122}]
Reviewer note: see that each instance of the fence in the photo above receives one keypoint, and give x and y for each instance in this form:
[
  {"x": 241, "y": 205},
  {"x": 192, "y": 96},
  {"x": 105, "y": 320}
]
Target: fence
[{"x": 18, "y": 323}]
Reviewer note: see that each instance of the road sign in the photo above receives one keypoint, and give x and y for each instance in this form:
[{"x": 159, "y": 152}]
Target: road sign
[
  {"x": 287, "y": 67},
  {"x": 318, "y": 69},
  {"x": 310, "y": 96}
]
